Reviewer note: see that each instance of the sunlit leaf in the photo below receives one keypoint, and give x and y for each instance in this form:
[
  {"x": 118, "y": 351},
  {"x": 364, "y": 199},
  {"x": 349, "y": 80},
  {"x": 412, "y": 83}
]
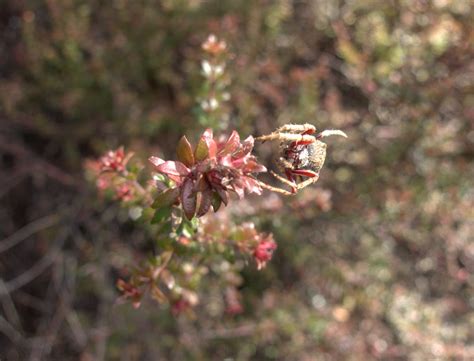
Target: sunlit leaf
[
  {"x": 247, "y": 146},
  {"x": 185, "y": 152},
  {"x": 207, "y": 147},
  {"x": 232, "y": 144}
]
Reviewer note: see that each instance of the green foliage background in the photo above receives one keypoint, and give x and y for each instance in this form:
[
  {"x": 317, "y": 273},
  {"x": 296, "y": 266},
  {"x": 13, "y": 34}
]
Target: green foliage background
[{"x": 381, "y": 270}]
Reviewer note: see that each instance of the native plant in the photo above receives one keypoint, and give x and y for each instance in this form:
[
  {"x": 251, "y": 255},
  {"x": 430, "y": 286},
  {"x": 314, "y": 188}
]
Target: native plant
[{"x": 174, "y": 200}]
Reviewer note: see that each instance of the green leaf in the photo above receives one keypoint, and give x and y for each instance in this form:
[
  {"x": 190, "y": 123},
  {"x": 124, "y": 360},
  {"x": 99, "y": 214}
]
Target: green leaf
[
  {"x": 166, "y": 198},
  {"x": 185, "y": 152},
  {"x": 164, "y": 243},
  {"x": 161, "y": 214},
  {"x": 165, "y": 229},
  {"x": 195, "y": 223},
  {"x": 216, "y": 201},
  {"x": 202, "y": 151},
  {"x": 207, "y": 147},
  {"x": 188, "y": 230}
]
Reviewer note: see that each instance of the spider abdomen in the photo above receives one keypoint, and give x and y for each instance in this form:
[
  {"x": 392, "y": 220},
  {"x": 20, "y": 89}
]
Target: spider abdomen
[{"x": 316, "y": 156}]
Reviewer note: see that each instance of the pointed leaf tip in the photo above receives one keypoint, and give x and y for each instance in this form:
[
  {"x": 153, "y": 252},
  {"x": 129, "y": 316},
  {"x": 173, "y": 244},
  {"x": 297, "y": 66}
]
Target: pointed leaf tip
[
  {"x": 185, "y": 152},
  {"x": 207, "y": 147}
]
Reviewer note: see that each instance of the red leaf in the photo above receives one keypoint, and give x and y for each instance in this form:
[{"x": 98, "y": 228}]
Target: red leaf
[
  {"x": 252, "y": 185},
  {"x": 188, "y": 198},
  {"x": 252, "y": 166},
  {"x": 223, "y": 195},
  {"x": 156, "y": 161},
  {"x": 185, "y": 152},
  {"x": 226, "y": 161},
  {"x": 174, "y": 170},
  {"x": 232, "y": 144},
  {"x": 238, "y": 187},
  {"x": 205, "y": 204},
  {"x": 247, "y": 146}
]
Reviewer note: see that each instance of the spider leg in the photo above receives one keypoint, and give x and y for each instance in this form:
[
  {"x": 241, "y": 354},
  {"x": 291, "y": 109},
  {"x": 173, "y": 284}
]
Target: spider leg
[
  {"x": 297, "y": 128},
  {"x": 289, "y": 183},
  {"x": 289, "y": 175},
  {"x": 274, "y": 189},
  {"x": 307, "y": 182},
  {"x": 288, "y": 137}
]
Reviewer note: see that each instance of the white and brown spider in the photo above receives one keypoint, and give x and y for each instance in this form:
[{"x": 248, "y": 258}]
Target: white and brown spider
[{"x": 302, "y": 155}]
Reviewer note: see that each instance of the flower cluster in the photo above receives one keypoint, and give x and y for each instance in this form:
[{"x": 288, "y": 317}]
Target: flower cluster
[
  {"x": 112, "y": 177},
  {"x": 115, "y": 160},
  {"x": 245, "y": 237},
  {"x": 203, "y": 176},
  {"x": 264, "y": 251},
  {"x": 214, "y": 46},
  {"x": 172, "y": 204}
]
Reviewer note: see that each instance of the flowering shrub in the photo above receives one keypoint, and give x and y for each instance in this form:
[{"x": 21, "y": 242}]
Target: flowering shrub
[
  {"x": 172, "y": 201},
  {"x": 376, "y": 262},
  {"x": 180, "y": 192}
]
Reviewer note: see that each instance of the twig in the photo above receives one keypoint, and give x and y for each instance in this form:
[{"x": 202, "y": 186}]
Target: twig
[
  {"x": 28, "y": 231},
  {"x": 9, "y": 331},
  {"x": 38, "y": 267},
  {"x": 38, "y": 163},
  {"x": 9, "y": 307}
]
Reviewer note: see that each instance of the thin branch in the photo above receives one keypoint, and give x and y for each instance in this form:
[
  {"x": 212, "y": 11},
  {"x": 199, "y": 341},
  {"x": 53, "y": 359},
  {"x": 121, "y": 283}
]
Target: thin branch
[
  {"x": 28, "y": 231},
  {"x": 38, "y": 164},
  {"x": 38, "y": 267},
  {"x": 8, "y": 330},
  {"x": 9, "y": 308}
]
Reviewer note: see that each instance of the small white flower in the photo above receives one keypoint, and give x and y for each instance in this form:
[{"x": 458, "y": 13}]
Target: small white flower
[
  {"x": 219, "y": 69},
  {"x": 213, "y": 103},
  {"x": 205, "y": 105},
  {"x": 135, "y": 213},
  {"x": 206, "y": 68}
]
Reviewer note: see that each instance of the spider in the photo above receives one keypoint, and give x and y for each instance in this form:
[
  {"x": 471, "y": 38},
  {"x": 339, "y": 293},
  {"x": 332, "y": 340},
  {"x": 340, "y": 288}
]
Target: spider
[{"x": 302, "y": 154}]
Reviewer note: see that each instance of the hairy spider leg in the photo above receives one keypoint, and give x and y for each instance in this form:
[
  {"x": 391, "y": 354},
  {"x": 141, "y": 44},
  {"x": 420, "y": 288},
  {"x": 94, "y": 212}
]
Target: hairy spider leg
[
  {"x": 292, "y": 185},
  {"x": 297, "y": 128},
  {"x": 303, "y": 140},
  {"x": 287, "y": 137}
]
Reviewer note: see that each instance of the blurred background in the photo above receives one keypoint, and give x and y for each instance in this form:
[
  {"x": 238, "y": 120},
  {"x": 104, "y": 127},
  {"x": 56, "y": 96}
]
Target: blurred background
[{"x": 374, "y": 262}]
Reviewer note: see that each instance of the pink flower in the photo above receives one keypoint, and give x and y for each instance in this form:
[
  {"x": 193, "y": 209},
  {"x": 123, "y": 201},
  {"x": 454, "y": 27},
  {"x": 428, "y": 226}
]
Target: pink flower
[
  {"x": 130, "y": 292},
  {"x": 114, "y": 160},
  {"x": 212, "y": 169},
  {"x": 264, "y": 251},
  {"x": 124, "y": 192},
  {"x": 213, "y": 46}
]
